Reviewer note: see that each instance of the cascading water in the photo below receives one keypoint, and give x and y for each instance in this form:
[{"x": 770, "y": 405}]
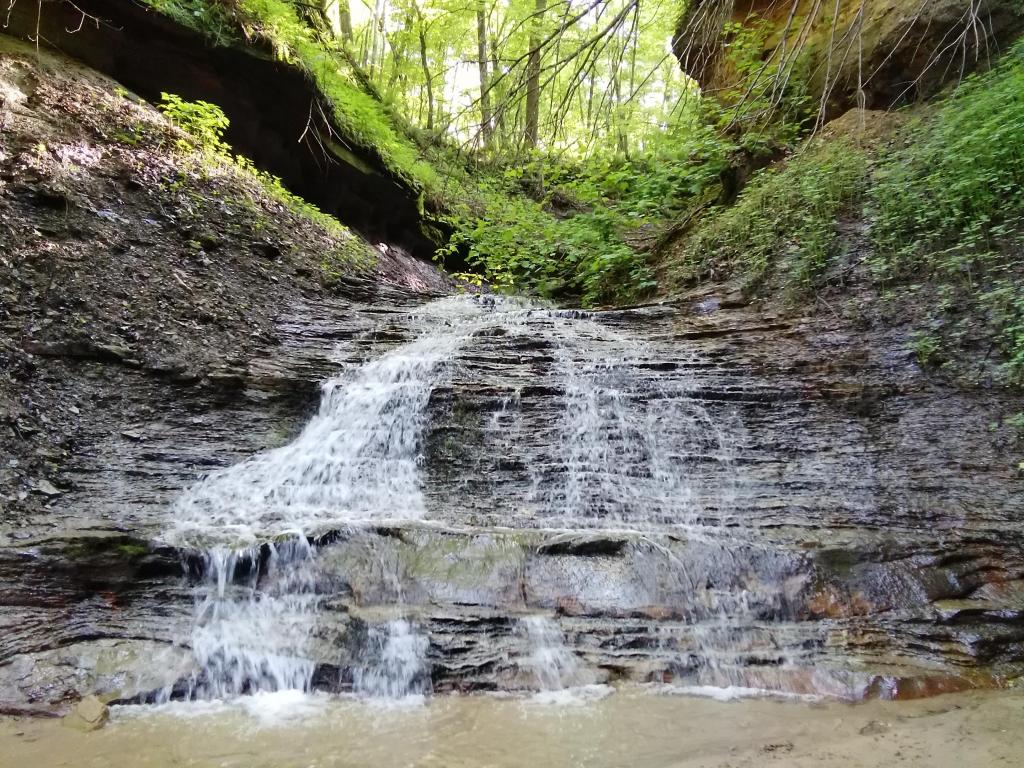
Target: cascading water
[
  {"x": 621, "y": 456},
  {"x": 356, "y": 460},
  {"x": 255, "y": 621},
  {"x": 549, "y": 662},
  {"x": 626, "y": 444},
  {"x": 394, "y": 662}
]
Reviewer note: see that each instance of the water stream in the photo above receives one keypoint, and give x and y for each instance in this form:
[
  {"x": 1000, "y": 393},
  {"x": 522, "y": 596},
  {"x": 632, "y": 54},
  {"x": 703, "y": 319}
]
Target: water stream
[
  {"x": 394, "y": 663},
  {"x": 619, "y": 458},
  {"x": 551, "y": 664}
]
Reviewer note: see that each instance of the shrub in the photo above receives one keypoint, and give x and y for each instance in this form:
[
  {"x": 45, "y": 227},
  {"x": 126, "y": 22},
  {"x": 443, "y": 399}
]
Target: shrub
[{"x": 788, "y": 210}]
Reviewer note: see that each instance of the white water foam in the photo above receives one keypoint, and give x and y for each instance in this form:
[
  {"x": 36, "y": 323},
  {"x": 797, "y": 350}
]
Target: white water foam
[
  {"x": 617, "y": 451},
  {"x": 255, "y": 618},
  {"x": 626, "y": 444},
  {"x": 394, "y": 664},
  {"x": 735, "y": 693},
  {"x": 551, "y": 664},
  {"x": 356, "y": 460}
]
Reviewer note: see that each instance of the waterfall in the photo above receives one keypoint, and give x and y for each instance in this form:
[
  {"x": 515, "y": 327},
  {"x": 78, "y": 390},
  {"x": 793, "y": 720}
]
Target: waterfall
[
  {"x": 627, "y": 446},
  {"x": 253, "y": 630},
  {"x": 394, "y": 663},
  {"x": 623, "y": 453},
  {"x": 550, "y": 663},
  {"x": 356, "y": 460}
]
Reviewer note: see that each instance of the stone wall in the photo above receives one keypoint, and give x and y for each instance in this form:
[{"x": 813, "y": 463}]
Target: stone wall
[{"x": 869, "y": 53}]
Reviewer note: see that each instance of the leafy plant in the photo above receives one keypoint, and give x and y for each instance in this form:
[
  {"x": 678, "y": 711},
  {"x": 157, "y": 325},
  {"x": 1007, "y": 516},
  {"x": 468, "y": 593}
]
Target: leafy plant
[
  {"x": 205, "y": 122},
  {"x": 786, "y": 213},
  {"x": 212, "y": 18},
  {"x": 364, "y": 119},
  {"x": 925, "y": 347},
  {"x": 520, "y": 246},
  {"x": 770, "y": 100},
  {"x": 950, "y": 203}
]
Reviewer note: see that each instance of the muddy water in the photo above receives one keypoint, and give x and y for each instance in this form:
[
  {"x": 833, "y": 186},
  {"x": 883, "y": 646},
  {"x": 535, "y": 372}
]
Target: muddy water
[{"x": 629, "y": 727}]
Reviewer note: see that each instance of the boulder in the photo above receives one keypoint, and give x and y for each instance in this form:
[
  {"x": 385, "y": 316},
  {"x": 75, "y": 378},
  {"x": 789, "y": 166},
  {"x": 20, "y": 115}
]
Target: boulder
[{"x": 89, "y": 714}]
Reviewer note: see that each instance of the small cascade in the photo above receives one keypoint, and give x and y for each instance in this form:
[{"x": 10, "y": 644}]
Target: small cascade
[
  {"x": 553, "y": 666},
  {"x": 255, "y": 617},
  {"x": 626, "y": 444},
  {"x": 738, "y": 634},
  {"x": 357, "y": 460},
  {"x": 627, "y": 452},
  {"x": 394, "y": 662}
]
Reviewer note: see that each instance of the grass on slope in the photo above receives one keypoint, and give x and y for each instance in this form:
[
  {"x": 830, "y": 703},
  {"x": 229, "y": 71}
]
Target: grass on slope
[{"x": 945, "y": 206}]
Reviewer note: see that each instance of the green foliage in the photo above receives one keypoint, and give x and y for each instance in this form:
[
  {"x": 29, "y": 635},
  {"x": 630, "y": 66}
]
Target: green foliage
[
  {"x": 210, "y": 18},
  {"x": 360, "y": 116},
  {"x": 925, "y": 347},
  {"x": 520, "y": 246},
  {"x": 649, "y": 185},
  {"x": 567, "y": 236},
  {"x": 950, "y": 203},
  {"x": 769, "y": 105},
  {"x": 203, "y": 121},
  {"x": 786, "y": 211}
]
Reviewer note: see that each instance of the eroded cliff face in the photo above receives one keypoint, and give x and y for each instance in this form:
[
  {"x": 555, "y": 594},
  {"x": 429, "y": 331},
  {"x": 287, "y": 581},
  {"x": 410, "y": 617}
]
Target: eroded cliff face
[
  {"x": 868, "y": 53},
  {"x": 279, "y": 119}
]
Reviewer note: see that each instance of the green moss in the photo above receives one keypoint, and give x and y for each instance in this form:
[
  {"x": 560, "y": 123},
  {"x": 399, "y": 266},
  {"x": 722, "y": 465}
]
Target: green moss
[
  {"x": 462, "y": 561},
  {"x": 213, "y": 19},
  {"x": 360, "y": 116},
  {"x": 132, "y": 550},
  {"x": 351, "y": 255},
  {"x": 363, "y": 119},
  {"x": 87, "y": 549}
]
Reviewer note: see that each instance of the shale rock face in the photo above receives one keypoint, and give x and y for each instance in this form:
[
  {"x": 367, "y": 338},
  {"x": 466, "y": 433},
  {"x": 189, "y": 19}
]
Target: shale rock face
[
  {"x": 854, "y": 529},
  {"x": 874, "y": 54}
]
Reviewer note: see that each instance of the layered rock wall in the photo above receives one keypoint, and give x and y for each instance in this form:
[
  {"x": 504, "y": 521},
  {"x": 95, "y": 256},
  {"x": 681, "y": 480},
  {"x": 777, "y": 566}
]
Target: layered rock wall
[{"x": 868, "y": 53}]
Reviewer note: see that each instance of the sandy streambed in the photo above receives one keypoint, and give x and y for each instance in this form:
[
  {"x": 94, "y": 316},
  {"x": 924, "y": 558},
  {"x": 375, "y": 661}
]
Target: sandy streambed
[{"x": 629, "y": 727}]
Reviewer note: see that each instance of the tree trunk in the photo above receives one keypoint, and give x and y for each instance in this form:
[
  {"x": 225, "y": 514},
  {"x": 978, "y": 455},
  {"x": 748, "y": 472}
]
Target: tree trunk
[
  {"x": 621, "y": 141},
  {"x": 500, "y": 99},
  {"x": 486, "y": 123},
  {"x": 533, "y": 78},
  {"x": 344, "y": 19},
  {"x": 377, "y": 37},
  {"x": 428, "y": 79},
  {"x": 339, "y": 18}
]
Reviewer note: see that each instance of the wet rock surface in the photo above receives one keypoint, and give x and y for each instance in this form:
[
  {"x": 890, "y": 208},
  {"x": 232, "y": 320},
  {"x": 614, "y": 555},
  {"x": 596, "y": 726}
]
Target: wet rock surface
[{"x": 860, "y": 544}]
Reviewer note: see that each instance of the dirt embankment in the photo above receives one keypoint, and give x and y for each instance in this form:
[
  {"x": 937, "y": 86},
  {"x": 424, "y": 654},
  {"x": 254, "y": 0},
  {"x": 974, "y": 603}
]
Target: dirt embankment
[{"x": 118, "y": 248}]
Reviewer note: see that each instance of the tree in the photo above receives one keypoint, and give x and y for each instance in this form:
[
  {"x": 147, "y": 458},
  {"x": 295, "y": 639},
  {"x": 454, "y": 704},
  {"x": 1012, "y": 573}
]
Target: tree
[
  {"x": 339, "y": 18},
  {"x": 486, "y": 125},
  {"x": 533, "y": 77}
]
